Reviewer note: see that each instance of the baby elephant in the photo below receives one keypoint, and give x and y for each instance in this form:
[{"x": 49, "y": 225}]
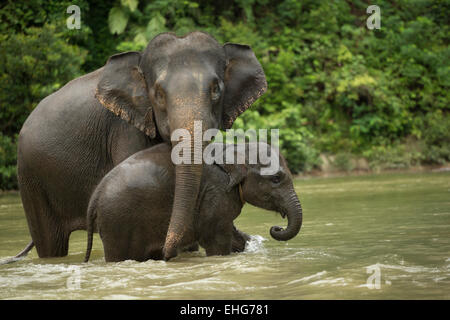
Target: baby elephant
[{"x": 132, "y": 205}]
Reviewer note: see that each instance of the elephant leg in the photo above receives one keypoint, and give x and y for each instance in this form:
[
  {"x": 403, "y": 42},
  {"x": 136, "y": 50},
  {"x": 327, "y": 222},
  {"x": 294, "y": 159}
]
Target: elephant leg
[
  {"x": 219, "y": 242},
  {"x": 115, "y": 252},
  {"x": 239, "y": 240},
  {"x": 54, "y": 243},
  {"x": 50, "y": 235}
]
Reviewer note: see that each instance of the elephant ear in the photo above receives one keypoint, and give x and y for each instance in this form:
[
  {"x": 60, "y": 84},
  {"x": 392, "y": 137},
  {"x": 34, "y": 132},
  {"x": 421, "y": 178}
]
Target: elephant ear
[
  {"x": 236, "y": 171},
  {"x": 244, "y": 82},
  {"x": 122, "y": 89}
]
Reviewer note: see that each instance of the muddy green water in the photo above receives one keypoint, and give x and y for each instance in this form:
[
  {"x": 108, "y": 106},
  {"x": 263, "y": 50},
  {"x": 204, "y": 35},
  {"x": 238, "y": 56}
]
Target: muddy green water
[{"x": 369, "y": 237}]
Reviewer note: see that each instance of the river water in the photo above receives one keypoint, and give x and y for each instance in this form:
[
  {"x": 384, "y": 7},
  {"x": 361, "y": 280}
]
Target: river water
[{"x": 366, "y": 237}]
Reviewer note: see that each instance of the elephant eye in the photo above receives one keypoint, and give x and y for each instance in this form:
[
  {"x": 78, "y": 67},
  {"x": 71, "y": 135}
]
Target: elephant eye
[
  {"x": 275, "y": 179},
  {"x": 215, "y": 91}
]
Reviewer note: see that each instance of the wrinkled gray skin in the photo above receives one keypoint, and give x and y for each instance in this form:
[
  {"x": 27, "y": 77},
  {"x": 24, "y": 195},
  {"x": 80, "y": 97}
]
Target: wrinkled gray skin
[
  {"x": 75, "y": 136},
  {"x": 132, "y": 205}
]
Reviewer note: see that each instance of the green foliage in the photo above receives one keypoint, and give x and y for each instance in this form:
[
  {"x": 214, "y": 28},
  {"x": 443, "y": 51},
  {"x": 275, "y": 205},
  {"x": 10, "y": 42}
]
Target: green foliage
[
  {"x": 334, "y": 87},
  {"x": 395, "y": 156},
  {"x": 36, "y": 58},
  {"x": 8, "y": 159},
  {"x": 343, "y": 161},
  {"x": 33, "y": 64},
  {"x": 436, "y": 138},
  {"x": 117, "y": 20}
]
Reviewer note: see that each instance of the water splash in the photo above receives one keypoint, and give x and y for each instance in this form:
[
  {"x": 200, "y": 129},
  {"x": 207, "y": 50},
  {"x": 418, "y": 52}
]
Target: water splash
[{"x": 255, "y": 245}]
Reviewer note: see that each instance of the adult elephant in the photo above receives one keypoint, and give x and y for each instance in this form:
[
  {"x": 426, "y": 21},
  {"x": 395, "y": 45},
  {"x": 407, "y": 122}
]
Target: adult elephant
[{"x": 79, "y": 133}]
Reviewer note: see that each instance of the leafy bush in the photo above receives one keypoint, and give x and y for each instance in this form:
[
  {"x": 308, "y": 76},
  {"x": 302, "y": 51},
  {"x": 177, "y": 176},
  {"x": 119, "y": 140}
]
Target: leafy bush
[
  {"x": 343, "y": 161},
  {"x": 8, "y": 159},
  {"x": 33, "y": 64},
  {"x": 36, "y": 59},
  {"x": 395, "y": 156},
  {"x": 436, "y": 138}
]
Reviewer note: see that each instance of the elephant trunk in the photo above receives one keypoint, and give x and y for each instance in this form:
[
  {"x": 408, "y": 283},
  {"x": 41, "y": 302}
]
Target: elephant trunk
[
  {"x": 293, "y": 210},
  {"x": 187, "y": 184}
]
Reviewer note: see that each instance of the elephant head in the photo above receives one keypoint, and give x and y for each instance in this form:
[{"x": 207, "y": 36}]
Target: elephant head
[
  {"x": 271, "y": 189},
  {"x": 172, "y": 83}
]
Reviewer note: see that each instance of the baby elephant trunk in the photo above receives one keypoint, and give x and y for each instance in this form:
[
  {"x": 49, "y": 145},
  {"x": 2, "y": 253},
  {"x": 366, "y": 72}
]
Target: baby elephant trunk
[{"x": 293, "y": 210}]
